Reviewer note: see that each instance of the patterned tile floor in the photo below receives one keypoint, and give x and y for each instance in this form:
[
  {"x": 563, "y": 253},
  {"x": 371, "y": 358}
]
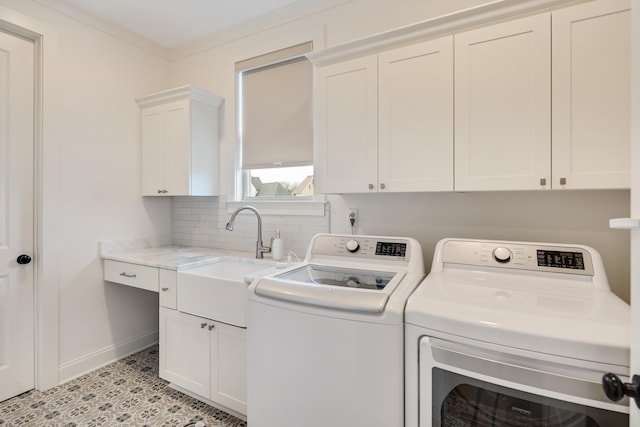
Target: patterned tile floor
[{"x": 126, "y": 393}]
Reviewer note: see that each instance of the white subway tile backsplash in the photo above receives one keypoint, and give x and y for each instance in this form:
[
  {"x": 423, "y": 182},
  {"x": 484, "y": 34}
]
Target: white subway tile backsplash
[{"x": 201, "y": 221}]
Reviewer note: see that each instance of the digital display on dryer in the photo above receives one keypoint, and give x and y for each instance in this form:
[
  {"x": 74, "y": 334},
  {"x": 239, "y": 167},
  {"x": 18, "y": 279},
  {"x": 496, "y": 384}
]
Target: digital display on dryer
[
  {"x": 391, "y": 249},
  {"x": 560, "y": 259}
]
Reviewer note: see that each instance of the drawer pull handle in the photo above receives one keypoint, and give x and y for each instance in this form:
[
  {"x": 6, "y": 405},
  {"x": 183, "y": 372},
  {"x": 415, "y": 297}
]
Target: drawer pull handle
[
  {"x": 203, "y": 325},
  {"x": 165, "y": 289},
  {"x": 127, "y": 275}
]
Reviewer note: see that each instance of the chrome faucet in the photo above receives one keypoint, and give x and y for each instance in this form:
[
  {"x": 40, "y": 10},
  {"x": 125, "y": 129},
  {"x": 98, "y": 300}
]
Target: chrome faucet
[{"x": 260, "y": 248}]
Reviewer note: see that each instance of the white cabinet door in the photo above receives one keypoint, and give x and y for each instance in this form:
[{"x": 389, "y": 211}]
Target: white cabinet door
[
  {"x": 346, "y": 100},
  {"x": 503, "y": 106},
  {"x": 167, "y": 286},
  {"x": 177, "y": 132},
  {"x": 229, "y": 366},
  {"x": 415, "y": 126},
  {"x": 152, "y": 148},
  {"x": 184, "y": 351},
  {"x": 591, "y": 95}
]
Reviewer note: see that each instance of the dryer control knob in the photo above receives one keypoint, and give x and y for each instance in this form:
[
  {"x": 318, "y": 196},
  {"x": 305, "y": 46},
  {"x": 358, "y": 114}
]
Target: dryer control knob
[
  {"x": 353, "y": 246},
  {"x": 502, "y": 255}
]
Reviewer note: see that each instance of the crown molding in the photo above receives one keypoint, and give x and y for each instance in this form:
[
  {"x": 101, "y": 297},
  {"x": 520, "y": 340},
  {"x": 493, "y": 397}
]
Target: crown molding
[
  {"x": 183, "y": 92},
  {"x": 276, "y": 18},
  {"x": 264, "y": 22},
  {"x": 73, "y": 12},
  {"x": 436, "y": 27}
]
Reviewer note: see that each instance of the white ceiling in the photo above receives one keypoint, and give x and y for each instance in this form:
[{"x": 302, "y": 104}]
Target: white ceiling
[{"x": 171, "y": 23}]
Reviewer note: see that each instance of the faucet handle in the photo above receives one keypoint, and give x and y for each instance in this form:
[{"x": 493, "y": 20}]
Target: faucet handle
[{"x": 262, "y": 249}]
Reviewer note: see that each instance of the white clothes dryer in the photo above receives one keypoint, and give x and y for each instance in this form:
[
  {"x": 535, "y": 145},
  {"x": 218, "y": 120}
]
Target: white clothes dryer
[
  {"x": 325, "y": 338},
  {"x": 508, "y": 334}
]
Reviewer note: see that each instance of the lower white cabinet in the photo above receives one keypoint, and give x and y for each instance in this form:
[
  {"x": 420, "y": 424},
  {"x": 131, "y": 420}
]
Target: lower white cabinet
[{"x": 205, "y": 357}]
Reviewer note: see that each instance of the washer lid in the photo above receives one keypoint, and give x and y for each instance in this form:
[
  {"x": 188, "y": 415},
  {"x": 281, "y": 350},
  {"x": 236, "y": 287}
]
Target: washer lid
[
  {"x": 526, "y": 312},
  {"x": 333, "y": 287}
]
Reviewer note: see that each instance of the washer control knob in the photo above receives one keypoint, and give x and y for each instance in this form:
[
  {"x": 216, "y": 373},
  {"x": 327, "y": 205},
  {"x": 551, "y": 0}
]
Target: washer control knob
[
  {"x": 502, "y": 255},
  {"x": 353, "y": 246}
]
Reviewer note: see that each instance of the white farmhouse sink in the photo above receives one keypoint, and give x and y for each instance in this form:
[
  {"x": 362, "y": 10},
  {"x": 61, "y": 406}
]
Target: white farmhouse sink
[{"x": 218, "y": 291}]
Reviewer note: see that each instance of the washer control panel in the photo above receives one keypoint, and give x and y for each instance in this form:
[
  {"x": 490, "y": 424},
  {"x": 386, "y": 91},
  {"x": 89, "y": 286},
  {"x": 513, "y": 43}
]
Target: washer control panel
[
  {"x": 515, "y": 255},
  {"x": 390, "y": 248}
]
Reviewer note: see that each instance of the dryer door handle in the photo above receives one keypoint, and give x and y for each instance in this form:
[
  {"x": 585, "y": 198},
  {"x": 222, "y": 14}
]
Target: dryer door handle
[{"x": 615, "y": 389}]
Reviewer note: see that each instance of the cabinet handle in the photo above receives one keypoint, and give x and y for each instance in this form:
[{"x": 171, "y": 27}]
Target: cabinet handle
[
  {"x": 382, "y": 186},
  {"x": 563, "y": 181},
  {"x": 543, "y": 181},
  {"x": 159, "y": 191},
  {"x": 165, "y": 289},
  {"x": 211, "y": 327},
  {"x": 128, "y": 275},
  {"x": 203, "y": 325},
  {"x": 162, "y": 191},
  {"x": 370, "y": 186}
]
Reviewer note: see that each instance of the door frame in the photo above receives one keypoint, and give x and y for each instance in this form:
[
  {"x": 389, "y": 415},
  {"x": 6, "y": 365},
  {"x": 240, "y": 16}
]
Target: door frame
[
  {"x": 634, "y": 418},
  {"x": 46, "y": 315}
]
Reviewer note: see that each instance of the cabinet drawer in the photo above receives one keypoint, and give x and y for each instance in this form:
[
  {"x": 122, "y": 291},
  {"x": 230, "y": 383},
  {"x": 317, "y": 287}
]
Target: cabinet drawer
[{"x": 139, "y": 276}]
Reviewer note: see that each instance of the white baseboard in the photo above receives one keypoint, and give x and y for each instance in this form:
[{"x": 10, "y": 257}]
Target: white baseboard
[{"x": 100, "y": 358}]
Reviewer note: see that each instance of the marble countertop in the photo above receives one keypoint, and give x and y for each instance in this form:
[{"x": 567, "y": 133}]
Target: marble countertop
[{"x": 173, "y": 257}]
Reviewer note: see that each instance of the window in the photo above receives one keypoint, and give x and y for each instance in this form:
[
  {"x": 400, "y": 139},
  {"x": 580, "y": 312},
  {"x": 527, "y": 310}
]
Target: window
[{"x": 276, "y": 124}]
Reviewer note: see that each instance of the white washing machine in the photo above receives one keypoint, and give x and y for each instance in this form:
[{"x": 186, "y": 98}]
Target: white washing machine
[
  {"x": 514, "y": 334},
  {"x": 325, "y": 338}
]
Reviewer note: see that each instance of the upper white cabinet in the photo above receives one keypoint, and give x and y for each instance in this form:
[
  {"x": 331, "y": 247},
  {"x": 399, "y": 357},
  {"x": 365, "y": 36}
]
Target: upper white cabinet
[
  {"x": 180, "y": 142},
  {"x": 540, "y": 102},
  {"x": 346, "y": 110},
  {"x": 591, "y": 95},
  {"x": 503, "y": 106},
  {"x": 385, "y": 121},
  {"x": 415, "y": 117}
]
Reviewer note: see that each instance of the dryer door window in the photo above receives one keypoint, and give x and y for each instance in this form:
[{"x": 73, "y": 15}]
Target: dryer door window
[
  {"x": 464, "y": 385},
  {"x": 461, "y": 401}
]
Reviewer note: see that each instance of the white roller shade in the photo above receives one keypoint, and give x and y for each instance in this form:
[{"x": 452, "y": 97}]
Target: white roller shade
[{"x": 277, "y": 124}]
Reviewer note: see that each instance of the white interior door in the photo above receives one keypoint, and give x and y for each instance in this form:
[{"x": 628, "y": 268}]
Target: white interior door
[{"x": 16, "y": 215}]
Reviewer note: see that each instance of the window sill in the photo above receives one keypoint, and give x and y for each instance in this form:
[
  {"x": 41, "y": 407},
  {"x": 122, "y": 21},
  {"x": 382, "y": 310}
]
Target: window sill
[{"x": 282, "y": 207}]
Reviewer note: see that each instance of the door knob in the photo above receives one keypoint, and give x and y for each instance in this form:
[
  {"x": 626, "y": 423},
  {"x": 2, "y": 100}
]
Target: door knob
[
  {"x": 23, "y": 259},
  {"x": 615, "y": 389}
]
